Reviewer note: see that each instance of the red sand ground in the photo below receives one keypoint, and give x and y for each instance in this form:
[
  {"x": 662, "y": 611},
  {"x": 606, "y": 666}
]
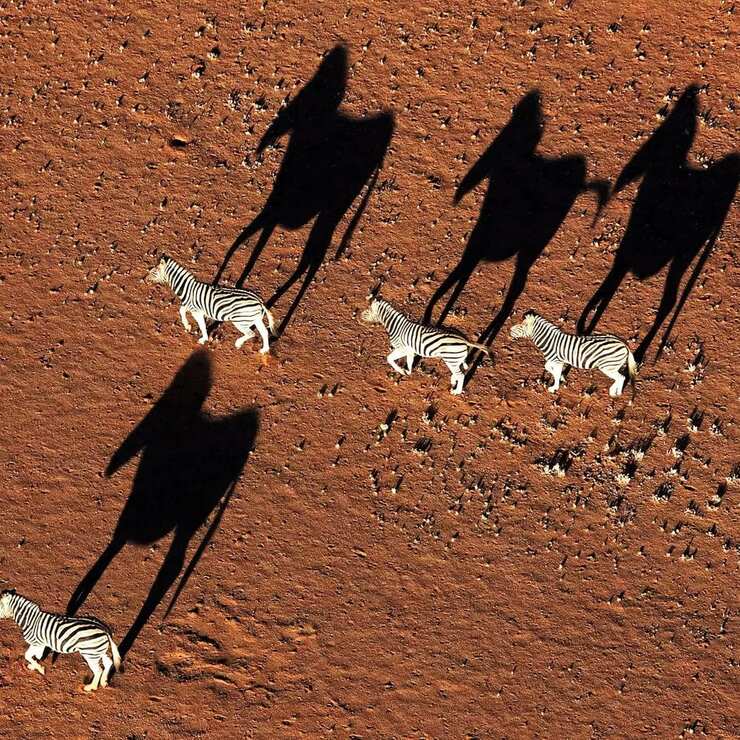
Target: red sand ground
[{"x": 482, "y": 597}]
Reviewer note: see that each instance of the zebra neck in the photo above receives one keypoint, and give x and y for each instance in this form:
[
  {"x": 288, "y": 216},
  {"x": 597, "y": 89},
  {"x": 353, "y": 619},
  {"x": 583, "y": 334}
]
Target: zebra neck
[
  {"x": 23, "y": 609},
  {"x": 542, "y": 332},
  {"x": 180, "y": 280},
  {"x": 387, "y": 314}
]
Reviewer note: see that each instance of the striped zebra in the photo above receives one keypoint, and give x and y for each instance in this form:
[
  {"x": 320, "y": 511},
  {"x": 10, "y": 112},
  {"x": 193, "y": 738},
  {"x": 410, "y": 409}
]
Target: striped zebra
[
  {"x": 85, "y": 635},
  {"x": 409, "y": 338},
  {"x": 243, "y": 308},
  {"x": 601, "y": 351}
]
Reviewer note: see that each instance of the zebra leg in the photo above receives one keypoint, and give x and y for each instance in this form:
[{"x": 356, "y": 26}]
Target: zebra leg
[
  {"x": 247, "y": 333},
  {"x": 201, "y": 321},
  {"x": 410, "y": 354},
  {"x": 615, "y": 389},
  {"x": 184, "y": 318},
  {"x": 107, "y": 665},
  {"x": 243, "y": 338},
  {"x": 397, "y": 354},
  {"x": 262, "y": 329},
  {"x": 555, "y": 369},
  {"x": 458, "y": 381},
  {"x": 458, "y": 378},
  {"x": 94, "y": 663},
  {"x": 32, "y": 654},
  {"x": 40, "y": 649}
]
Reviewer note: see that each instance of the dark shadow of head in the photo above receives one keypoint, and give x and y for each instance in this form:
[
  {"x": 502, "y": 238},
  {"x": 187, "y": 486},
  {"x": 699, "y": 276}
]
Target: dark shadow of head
[
  {"x": 316, "y": 103},
  {"x": 677, "y": 214},
  {"x": 512, "y": 148},
  {"x": 188, "y": 465},
  {"x": 329, "y": 158},
  {"x": 667, "y": 150},
  {"x": 528, "y": 195}
]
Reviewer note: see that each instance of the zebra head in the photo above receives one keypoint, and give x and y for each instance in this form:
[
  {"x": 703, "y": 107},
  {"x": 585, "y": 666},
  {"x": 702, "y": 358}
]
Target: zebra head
[
  {"x": 158, "y": 274},
  {"x": 371, "y": 315},
  {"x": 6, "y": 605},
  {"x": 523, "y": 330}
]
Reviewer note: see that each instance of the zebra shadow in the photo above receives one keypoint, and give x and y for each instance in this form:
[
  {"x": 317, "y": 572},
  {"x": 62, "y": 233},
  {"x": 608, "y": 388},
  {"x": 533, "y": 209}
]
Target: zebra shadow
[
  {"x": 527, "y": 198},
  {"x": 677, "y": 214},
  {"x": 329, "y": 159},
  {"x": 188, "y": 467}
]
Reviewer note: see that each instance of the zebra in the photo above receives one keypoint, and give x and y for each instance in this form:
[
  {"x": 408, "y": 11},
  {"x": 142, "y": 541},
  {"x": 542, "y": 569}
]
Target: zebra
[
  {"x": 85, "y": 635},
  {"x": 410, "y": 338},
  {"x": 604, "y": 352},
  {"x": 243, "y": 308}
]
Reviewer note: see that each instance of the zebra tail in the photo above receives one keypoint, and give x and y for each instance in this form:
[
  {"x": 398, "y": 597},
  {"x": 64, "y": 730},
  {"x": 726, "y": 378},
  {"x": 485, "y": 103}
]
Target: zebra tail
[
  {"x": 631, "y": 365},
  {"x": 117, "y": 662},
  {"x": 481, "y": 347},
  {"x": 271, "y": 322}
]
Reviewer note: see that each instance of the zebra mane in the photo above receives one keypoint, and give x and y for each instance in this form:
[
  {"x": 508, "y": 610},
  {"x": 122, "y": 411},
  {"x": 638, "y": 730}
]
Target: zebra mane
[
  {"x": 19, "y": 599},
  {"x": 377, "y": 301},
  {"x": 381, "y": 302},
  {"x": 375, "y": 292},
  {"x": 175, "y": 267}
]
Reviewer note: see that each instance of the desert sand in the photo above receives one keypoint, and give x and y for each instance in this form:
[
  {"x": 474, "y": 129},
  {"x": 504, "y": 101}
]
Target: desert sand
[{"x": 307, "y": 544}]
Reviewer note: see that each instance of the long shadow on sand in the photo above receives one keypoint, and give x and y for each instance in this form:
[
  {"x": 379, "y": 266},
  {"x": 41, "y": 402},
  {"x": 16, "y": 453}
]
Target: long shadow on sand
[
  {"x": 527, "y": 198},
  {"x": 329, "y": 159},
  {"x": 677, "y": 214},
  {"x": 189, "y": 464}
]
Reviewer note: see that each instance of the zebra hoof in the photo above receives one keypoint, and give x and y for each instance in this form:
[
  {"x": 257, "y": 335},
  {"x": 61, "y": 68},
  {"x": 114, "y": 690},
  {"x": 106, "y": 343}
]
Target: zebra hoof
[
  {"x": 89, "y": 687},
  {"x": 552, "y": 389},
  {"x": 202, "y": 341},
  {"x": 264, "y": 350}
]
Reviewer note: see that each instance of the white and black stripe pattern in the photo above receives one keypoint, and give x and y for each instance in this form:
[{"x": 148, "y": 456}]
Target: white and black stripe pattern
[
  {"x": 41, "y": 630},
  {"x": 603, "y": 352},
  {"x": 410, "y": 338},
  {"x": 243, "y": 308}
]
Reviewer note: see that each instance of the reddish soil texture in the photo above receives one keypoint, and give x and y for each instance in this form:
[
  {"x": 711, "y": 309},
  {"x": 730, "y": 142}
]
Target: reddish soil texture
[{"x": 508, "y": 563}]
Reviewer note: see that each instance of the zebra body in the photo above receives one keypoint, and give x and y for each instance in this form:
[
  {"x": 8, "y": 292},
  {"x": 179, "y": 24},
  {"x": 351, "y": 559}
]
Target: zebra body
[
  {"x": 243, "y": 308},
  {"x": 604, "y": 352},
  {"x": 85, "y": 635},
  {"x": 409, "y": 338}
]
